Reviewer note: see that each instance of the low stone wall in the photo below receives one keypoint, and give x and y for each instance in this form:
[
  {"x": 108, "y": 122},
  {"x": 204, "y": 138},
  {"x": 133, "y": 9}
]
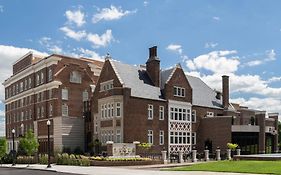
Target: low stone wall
[{"x": 124, "y": 163}]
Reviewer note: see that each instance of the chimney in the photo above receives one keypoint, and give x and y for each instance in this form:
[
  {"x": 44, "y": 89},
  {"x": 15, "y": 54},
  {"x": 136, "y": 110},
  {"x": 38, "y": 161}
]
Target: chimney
[
  {"x": 225, "y": 91},
  {"x": 153, "y": 66}
]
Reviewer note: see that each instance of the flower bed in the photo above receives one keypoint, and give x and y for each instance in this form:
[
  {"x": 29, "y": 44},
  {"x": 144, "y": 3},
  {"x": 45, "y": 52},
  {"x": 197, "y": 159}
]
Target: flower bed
[{"x": 107, "y": 161}]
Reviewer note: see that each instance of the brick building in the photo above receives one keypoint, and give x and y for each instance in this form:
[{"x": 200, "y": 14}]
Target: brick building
[
  {"x": 174, "y": 111},
  {"x": 56, "y": 88}
]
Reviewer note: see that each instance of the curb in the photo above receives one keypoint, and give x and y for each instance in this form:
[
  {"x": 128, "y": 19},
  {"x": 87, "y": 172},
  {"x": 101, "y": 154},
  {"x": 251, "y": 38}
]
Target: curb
[{"x": 28, "y": 168}]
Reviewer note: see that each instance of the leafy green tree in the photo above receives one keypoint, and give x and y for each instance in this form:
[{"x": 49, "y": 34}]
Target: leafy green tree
[
  {"x": 279, "y": 133},
  {"x": 3, "y": 148},
  {"x": 29, "y": 143}
]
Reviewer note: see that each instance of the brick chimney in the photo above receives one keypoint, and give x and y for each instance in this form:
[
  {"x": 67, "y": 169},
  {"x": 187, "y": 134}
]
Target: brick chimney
[
  {"x": 225, "y": 91},
  {"x": 153, "y": 66}
]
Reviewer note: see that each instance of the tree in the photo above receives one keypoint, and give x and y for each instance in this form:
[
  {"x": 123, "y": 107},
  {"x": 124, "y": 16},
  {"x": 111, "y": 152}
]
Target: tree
[
  {"x": 29, "y": 143},
  {"x": 279, "y": 133},
  {"x": 3, "y": 148}
]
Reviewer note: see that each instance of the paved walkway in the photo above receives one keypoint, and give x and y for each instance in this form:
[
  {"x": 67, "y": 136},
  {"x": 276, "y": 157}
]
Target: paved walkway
[{"x": 136, "y": 170}]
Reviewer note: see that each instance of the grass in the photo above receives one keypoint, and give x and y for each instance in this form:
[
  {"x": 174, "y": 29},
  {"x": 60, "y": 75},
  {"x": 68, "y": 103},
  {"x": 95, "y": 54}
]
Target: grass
[{"x": 257, "y": 167}]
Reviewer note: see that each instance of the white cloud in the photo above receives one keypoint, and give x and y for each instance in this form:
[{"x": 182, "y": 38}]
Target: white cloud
[
  {"x": 8, "y": 55},
  {"x": 1, "y": 8},
  {"x": 210, "y": 45},
  {"x": 73, "y": 34},
  {"x": 175, "y": 48},
  {"x": 101, "y": 40},
  {"x": 81, "y": 52},
  {"x": 112, "y": 13},
  {"x": 145, "y": 3},
  {"x": 264, "y": 104},
  {"x": 254, "y": 63},
  {"x": 50, "y": 45},
  {"x": 269, "y": 55},
  {"x": 216, "y": 18},
  {"x": 76, "y": 16},
  {"x": 215, "y": 61},
  {"x": 274, "y": 79}
]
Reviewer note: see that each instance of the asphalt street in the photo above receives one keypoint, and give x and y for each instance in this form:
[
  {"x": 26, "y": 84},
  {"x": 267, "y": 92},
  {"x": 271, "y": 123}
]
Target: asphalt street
[{"x": 19, "y": 171}]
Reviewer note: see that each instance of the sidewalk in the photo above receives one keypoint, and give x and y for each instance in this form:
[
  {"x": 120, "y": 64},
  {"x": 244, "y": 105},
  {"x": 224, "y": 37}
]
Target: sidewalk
[{"x": 136, "y": 170}]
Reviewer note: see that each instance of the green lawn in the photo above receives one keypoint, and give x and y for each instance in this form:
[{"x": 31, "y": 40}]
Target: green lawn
[{"x": 257, "y": 167}]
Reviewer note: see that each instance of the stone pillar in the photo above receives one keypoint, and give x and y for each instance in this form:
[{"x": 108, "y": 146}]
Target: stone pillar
[
  {"x": 109, "y": 148},
  {"x": 206, "y": 155},
  {"x": 261, "y": 122},
  {"x": 238, "y": 151},
  {"x": 180, "y": 157},
  {"x": 164, "y": 157},
  {"x": 194, "y": 158},
  {"x": 275, "y": 137},
  {"x": 228, "y": 154},
  {"x": 218, "y": 154}
]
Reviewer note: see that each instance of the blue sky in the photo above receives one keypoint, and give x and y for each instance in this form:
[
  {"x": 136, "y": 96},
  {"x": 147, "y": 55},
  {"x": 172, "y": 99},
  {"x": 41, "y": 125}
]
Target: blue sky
[{"x": 209, "y": 38}]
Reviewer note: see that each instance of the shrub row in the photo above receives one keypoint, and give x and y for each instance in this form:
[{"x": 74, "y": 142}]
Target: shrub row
[{"x": 66, "y": 159}]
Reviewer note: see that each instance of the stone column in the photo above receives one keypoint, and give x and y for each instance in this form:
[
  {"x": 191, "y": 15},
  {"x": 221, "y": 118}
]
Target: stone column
[
  {"x": 180, "y": 157},
  {"x": 206, "y": 155},
  {"x": 228, "y": 154},
  {"x": 261, "y": 122},
  {"x": 164, "y": 157},
  {"x": 275, "y": 137},
  {"x": 109, "y": 148},
  {"x": 238, "y": 151},
  {"x": 194, "y": 152},
  {"x": 218, "y": 154}
]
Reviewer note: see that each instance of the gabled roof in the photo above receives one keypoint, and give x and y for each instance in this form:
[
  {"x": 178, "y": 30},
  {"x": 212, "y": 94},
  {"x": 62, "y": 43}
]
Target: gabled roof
[
  {"x": 202, "y": 94},
  {"x": 137, "y": 79},
  {"x": 166, "y": 76}
]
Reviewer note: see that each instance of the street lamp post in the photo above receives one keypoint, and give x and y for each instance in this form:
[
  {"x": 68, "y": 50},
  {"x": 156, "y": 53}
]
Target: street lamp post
[
  {"x": 13, "y": 136},
  {"x": 49, "y": 145}
]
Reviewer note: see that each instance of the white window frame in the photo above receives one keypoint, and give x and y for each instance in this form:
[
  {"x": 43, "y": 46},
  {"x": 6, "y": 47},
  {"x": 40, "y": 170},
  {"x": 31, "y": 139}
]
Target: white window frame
[
  {"x": 37, "y": 79},
  {"x": 64, "y": 110},
  {"x": 50, "y": 74},
  {"x": 118, "y": 136},
  {"x": 118, "y": 109},
  {"x": 85, "y": 95},
  {"x": 29, "y": 82},
  {"x": 161, "y": 112},
  {"x": 107, "y": 85},
  {"x": 64, "y": 94},
  {"x": 75, "y": 77},
  {"x": 193, "y": 116},
  {"x": 50, "y": 110},
  {"x": 42, "y": 78},
  {"x": 150, "y": 112},
  {"x": 179, "y": 91},
  {"x": 193, "y": 138},
  {"x": 150, "y": 137},
  {"x": 161, "y": 137}
]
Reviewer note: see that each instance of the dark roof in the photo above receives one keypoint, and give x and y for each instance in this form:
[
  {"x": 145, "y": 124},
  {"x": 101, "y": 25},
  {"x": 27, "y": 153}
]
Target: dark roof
[
  {"x": 202, "y": 94},
  {"x": 137, "y": 79}
]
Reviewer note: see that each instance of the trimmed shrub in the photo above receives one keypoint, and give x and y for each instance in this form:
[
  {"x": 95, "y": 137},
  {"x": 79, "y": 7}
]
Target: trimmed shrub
[
  {"x": 43, "y": 159},
  {"x": 26, "y": 160}
]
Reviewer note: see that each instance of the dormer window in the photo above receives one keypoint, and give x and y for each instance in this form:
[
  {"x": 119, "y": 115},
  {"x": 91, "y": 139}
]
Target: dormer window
[
  {"x": 107, "y": 85},
  {"x": 179, "y": 91},
  {"x": 75, "y": 77}
]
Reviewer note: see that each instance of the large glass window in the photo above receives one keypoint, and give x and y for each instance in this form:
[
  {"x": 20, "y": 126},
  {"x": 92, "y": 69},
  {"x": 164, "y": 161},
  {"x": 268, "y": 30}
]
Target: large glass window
[
  {"x": 179, "y": 91},
  {"x": 118, "y": 109}
]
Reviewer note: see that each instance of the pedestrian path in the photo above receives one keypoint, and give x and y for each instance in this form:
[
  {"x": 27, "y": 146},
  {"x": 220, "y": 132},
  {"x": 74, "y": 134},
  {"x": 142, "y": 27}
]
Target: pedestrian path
[{"x": 136, "y": 170}]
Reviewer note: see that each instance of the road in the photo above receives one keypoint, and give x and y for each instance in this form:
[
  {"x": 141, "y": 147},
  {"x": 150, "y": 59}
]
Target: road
[{"x": 17, "y": 171}]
